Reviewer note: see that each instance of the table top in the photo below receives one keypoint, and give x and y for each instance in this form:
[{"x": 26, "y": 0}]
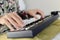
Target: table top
[{"x": 46, "y": 34}]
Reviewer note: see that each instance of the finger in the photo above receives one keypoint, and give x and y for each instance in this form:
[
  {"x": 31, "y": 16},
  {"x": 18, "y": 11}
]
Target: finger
[
  {"x": 35, "y": 16},
  {"x": 12, "y": 22},
  {"x": 32, "y": 13},
  {"x": 16, "y": 19},
  {"x": 41, "y": 13},
  {"x": 18, "y": 16},
  {"x": 9, "y": 25}
]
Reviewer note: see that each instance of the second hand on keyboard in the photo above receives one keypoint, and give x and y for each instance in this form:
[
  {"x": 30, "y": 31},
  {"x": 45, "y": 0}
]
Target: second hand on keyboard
[{"x": 29, "y": 21}]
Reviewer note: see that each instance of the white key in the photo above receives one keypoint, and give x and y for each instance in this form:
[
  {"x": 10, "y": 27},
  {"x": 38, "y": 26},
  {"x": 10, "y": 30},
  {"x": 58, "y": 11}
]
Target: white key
[{"x": 28, "y": 21}]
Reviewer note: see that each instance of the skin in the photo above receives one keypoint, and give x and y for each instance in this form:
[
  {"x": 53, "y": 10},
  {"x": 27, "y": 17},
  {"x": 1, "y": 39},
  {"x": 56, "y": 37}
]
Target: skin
[
  {"x": 33, "y": 12},
  {"x": 10, "y": 19}
]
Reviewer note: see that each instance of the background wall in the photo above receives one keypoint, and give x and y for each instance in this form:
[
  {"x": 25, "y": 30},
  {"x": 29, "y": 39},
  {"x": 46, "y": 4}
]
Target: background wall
[{"x": 46, "y": 5}]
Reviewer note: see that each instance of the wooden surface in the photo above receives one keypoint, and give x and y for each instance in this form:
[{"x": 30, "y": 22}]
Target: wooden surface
[{"x": 46, "y": 34}]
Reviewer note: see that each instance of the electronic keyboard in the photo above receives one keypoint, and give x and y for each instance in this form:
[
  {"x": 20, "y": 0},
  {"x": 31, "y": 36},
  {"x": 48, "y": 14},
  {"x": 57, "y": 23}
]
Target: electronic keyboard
[{"x": 33, "y": 26}]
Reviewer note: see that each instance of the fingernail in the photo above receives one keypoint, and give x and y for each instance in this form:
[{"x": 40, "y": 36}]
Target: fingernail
[
  {"x": 18, "y": 29},
  {"x": 12, "y": 30},
  {"x": 21, "y": 28}
]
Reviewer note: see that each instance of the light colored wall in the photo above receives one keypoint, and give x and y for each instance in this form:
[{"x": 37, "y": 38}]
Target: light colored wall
[{"x": 46, "y": 5}]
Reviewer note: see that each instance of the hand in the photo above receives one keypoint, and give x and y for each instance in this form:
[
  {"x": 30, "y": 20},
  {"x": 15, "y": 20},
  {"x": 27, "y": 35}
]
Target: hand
[
  {"x": 33, "y": 13},
  {"x": 12, "y": 19}
]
